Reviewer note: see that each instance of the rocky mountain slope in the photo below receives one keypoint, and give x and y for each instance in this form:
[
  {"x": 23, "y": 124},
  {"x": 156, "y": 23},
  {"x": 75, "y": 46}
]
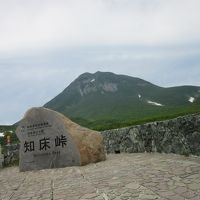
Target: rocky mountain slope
[{"x": 105, "y": 97}]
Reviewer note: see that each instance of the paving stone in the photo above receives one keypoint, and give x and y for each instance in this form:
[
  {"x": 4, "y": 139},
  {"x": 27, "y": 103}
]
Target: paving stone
[
  {"x": 133, "y": 186},
  {"x": 89, "y": 196},
  {"x": 189, "y": 194},
  {"x": 178, "y": 197},
  {"x": 194, "y": 186},
  {"x": 148, "y": 197},
  {"x": 167, "y": 194},
  {"x": 180, "y": 190},
  {"x": 120, "y": 177}
]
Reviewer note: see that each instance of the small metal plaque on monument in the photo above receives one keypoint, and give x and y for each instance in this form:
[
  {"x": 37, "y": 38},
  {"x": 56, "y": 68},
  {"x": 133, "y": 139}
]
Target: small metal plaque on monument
[{"x": 45, "y": 142}]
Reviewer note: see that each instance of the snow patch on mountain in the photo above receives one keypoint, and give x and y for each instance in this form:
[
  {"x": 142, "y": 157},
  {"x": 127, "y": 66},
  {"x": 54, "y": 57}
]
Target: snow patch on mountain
[
  {"x": 191, "y": 99},
  {"x": 154, "y": 103},
  {"x": 92, "y": 80}
]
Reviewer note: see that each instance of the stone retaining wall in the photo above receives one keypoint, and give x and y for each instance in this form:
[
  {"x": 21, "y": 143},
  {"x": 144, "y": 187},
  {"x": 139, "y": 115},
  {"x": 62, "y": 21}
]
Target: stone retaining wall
[
  {"x": 11, "y": 154},
  {"x": 180, "y": 135}
]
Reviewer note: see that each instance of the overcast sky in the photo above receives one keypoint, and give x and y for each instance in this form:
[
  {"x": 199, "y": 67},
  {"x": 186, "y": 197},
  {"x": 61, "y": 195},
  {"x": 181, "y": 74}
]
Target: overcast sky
[{"x": 46, "y": 44}]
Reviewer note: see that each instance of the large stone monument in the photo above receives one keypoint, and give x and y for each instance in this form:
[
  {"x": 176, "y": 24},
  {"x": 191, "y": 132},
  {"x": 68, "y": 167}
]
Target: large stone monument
[{"x": 50, "y": 140}]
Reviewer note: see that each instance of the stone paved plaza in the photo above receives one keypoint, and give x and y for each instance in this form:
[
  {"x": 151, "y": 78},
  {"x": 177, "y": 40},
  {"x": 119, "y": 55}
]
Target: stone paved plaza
[{"x": 121, "y": 176}]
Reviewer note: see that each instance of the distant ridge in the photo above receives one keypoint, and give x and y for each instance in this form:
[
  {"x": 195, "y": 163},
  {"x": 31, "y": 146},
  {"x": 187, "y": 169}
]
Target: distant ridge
[{"x": 106, "y": 99}]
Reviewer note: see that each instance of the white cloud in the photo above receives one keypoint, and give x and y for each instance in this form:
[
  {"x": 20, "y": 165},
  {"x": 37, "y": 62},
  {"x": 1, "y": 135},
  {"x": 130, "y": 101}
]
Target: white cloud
[
  {"x": 23, "y": 87},
  {"x": 49, "y": 24},
  {"x": 44, "y": 45}
]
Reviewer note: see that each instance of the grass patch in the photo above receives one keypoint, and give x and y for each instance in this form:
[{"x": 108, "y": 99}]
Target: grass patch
[{"x": 164, "y": 114}]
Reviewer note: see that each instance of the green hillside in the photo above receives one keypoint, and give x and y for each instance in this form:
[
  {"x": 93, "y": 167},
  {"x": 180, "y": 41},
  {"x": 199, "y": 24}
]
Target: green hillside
[{"x": 105, "y": 100}]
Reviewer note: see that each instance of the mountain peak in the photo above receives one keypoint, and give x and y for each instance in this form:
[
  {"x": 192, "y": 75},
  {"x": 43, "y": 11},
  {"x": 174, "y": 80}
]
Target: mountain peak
[
  {"x": 105, "y": 95},
  {"x": 98, "y": 82}
]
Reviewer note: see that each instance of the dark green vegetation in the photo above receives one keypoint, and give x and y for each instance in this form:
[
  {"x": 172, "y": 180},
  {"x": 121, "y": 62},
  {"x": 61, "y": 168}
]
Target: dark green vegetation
[
  {"x": 6, "y": 130},
  {"x": 105, "y": 100},
  {"x": 169, "y": 113},
  {"x": 9, "y": 131}
]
